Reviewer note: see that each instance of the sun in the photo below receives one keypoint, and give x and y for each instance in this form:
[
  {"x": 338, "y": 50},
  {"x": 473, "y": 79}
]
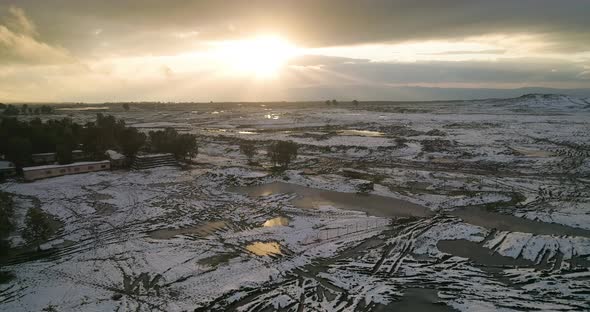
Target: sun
[{"x": 261, "y": 56}]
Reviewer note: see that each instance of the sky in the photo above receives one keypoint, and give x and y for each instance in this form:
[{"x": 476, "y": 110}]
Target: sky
[{"x": 294, "y": 50}]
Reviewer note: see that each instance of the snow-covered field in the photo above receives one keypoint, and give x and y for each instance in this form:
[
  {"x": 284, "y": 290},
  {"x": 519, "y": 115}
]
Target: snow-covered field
[{"x": 500, "y": 190}]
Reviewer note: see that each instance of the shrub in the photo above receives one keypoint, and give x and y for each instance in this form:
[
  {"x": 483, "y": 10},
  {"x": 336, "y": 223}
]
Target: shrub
[
  {"x": 248, "y": 149},
  {"x": 6, "y": 225},
  {"x": 37, "y": 227},
  {"x": 282, "y": 153}
]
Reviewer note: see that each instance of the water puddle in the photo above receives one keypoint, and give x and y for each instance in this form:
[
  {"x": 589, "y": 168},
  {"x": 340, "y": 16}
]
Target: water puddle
[
  {"x": 418, "y": 299},
  {"x": 310, "y": 198},
  {"x": 278, "y": 221},
  {"x": 218, "y": 259},
  {"x": 85, "y": 108},
  {"x": 205, "y": 229},
  {"x": 366, "y": 133},
  {"x": 479, "y": 254},
  {"x": 504, "y": 222},
  {"x": 264, "y": 249},
  {"x": 529, "y": 152},
  {"x": 272, "y": 116},
  {"x": 381, "y": 206}
]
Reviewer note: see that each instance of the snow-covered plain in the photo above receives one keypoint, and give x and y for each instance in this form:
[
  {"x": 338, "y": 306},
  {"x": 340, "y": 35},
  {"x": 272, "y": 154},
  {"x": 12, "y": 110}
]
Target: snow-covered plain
[{"x": 181, "y": 240}]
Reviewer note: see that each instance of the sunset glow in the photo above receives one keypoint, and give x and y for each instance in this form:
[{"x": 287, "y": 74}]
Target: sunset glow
[{"x": 261, "y": 57}]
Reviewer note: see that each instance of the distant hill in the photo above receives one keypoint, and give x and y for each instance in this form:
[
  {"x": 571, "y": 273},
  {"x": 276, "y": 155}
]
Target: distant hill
[
  {"x": 541, "y": 102},
  {"x": 387, "y": 93}
]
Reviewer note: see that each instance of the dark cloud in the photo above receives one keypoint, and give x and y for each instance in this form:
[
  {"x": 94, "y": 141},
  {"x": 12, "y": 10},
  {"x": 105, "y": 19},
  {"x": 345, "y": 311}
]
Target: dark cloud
[
  {"x": 19, "y": 42},
  {"x": 490, "y": 51},
  {"x": 310, "y": 22},
  {"x": 528, "y": 71}
]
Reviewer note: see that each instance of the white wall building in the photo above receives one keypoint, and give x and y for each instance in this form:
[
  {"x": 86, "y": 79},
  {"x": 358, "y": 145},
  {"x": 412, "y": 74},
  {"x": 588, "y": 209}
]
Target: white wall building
[{"x": 41, "y": 172}]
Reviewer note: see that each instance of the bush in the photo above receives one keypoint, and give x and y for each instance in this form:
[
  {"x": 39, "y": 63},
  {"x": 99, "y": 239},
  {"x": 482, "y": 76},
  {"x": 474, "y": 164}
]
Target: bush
[
  {"x": 248, "y": 149},
  {"x": 282, "y": 153},
  {"x": 37, "y": 227},
  {"x": 6, "y": 225},
  {"x": 6, "y": 277},
  {"x": 170, "y": 141}
]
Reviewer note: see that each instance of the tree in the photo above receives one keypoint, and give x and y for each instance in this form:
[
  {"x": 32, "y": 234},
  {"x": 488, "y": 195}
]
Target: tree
[
  {"x": 46, "y": 109},
  {"x": 169, "y": 141},
  {"x": 63, "y": 154},
  {"x": 186, "y": 146},
  {"x": 102, "y": 135},
  {"x": 131, "y": 141},
  {"x": 2, "y": 106},
  {"x": 282, "y": 153},
  {"x": 24, "y": 109},
  {"x": 328, "y": 102},
  {"x": 6, "y": 225},
  {"x": 355, "y": 102},
  {"x": 126, "y": 106},
  {"x": 11, "y": 110},
  {"x": 334, "y": 102},
  {"x": 37, "y": 227},
  {"x": 248, "y": 149},
  {"x": 18, "y": 150}
]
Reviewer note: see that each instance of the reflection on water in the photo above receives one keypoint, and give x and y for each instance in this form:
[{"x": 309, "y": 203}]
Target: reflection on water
[
  {"x": 264, "y": 249},
  {"x": 247, "y": 132},
  {"x": 201, "y": 230},
  {"x": 86, "y": 108},
  {"x": 532, "y": 152},
  {"x": 278, "y": 221},
  {"x": 271, "y": 116},
  {"x": 367, "y": 133}
]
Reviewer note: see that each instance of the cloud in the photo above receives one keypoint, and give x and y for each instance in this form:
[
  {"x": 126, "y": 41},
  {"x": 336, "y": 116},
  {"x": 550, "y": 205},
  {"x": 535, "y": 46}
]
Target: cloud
[
  {"x": 489, "y": 51},
  {"x": 318, "y": 23},
  {"x": 19, "y": 43},
  {"x": 322, "y": 60},
  {"x": 18, "y": 22},
  {"x": 525, "y": 71}
]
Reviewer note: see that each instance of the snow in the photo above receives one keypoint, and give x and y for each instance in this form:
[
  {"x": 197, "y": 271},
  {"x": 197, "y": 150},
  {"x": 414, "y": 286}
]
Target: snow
[
  {"x": 108, "y": 216},
  {"x": 6, "y": 165},
  {"x": 114, "y": 155}
]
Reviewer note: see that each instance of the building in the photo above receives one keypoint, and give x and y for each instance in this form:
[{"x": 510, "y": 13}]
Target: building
[
  {"x": 43, "y": 158},
  {"x": 117, "y": 159},
  {"x": 7, "y": 169},
  {"x": 153, "y": 161},
  {"x": 48, "y": 171}
]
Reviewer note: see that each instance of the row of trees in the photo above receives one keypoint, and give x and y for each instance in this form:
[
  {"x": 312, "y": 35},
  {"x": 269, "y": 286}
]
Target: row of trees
[
  {"x": 25, "y": 109},
  {"x": 182, "y": 145},
  {"x": 280, "y": 153},
  {"x": 20, "y": 139},
  {"x": 334, "y": 102}
]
